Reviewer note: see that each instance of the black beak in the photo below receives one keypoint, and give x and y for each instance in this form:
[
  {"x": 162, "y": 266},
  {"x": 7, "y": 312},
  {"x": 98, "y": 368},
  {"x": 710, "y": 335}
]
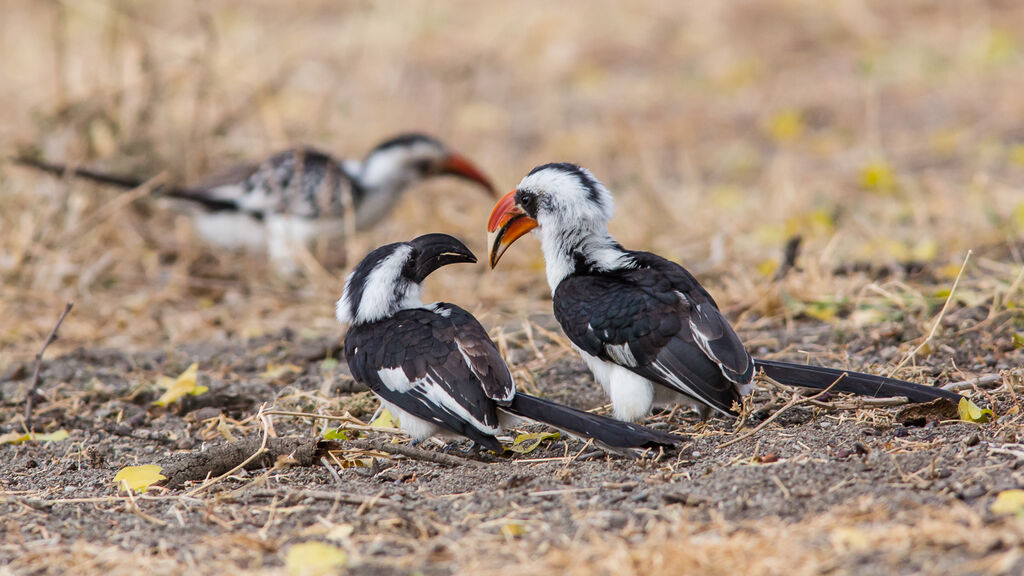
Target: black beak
[{"x": 436, "y": 250}]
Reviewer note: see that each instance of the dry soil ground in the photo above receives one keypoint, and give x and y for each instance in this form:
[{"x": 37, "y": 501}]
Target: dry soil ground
[
  {"x": 888, "y": 135},
  {"x": 828, "y": 487}
]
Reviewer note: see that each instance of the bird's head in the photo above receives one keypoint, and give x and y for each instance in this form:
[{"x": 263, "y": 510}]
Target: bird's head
[
  {"x": 389, "y": 279},
  {"x": 406, "y": 159},
  {"x": 560, "y": 200}
]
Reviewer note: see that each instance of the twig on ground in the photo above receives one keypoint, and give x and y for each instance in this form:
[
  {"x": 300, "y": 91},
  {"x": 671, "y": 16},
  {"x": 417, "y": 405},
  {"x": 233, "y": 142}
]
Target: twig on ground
[
  {"x": 795, "y": 401},
  {"x": 262, "y": 449},
  {"x": 352, "y": 423},
  {"x": 33, "y": 389},
  {"x": 402, "y": 450},
  {"x": 938, "y": 319},
  {"x": 972, "y": 382},
  {"x": 334, "y": 473},
  {"x": 859, "y": 403},
  {"x": 292, "y": 495}
]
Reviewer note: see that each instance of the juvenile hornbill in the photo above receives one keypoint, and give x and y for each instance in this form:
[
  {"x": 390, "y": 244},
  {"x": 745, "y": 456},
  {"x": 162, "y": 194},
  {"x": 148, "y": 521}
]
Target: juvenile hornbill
[
  {"x": 300, "y": 195},
  {"x": 650, "y": 333},
  {"x": 434, "y": 367}
]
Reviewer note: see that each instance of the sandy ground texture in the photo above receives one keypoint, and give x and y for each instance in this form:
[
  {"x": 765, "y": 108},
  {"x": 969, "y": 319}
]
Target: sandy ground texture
[
  {"x": 828, "y": 485},
  {"x": 887, "y": 136}
]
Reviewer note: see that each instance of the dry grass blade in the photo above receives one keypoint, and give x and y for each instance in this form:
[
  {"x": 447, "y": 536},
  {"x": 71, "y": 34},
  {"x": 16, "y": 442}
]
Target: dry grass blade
[
  {"x": 265, "y": 425},
  {"x": 795, "y": 401},
  {"x": 938, "y": 319},
  {"x": 33, "y": 389}
]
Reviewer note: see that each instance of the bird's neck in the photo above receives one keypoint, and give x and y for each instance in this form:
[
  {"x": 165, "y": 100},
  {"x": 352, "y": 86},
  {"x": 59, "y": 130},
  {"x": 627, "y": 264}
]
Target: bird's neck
[
  {"x": 383, "y": 177},
  {"x": 568, "y": 252}
]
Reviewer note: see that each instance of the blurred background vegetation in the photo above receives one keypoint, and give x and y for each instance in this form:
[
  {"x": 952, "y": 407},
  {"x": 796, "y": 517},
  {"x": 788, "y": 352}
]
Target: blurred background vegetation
[{"x": 881, "y": 132}]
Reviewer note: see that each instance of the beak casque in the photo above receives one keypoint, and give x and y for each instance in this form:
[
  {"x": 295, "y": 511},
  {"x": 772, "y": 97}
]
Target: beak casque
[
  {"x": 436, "y": 250},
  {"x": 507, "y": 224},
  {"x": 458, "y": 165}
]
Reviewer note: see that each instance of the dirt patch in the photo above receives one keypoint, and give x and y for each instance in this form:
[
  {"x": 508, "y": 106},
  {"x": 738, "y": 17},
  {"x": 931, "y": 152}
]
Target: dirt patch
[{"x": 857, "y": 467}]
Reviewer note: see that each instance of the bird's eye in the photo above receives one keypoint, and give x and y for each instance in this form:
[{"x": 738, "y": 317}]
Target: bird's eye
[
  {"x": 423, "y": 166},
  {"x": 529, "y": 203}
]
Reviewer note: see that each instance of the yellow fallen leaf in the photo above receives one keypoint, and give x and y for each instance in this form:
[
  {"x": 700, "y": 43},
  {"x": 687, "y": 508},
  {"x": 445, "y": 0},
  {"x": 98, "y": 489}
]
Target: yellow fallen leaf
[
  {"x": 971, "y": 412},
  {"x": 184, "y": 384},
  {"x": 786, "y": 126},
  {"x": 878, "y": 176},
  {"x": 1009, "y": 502},
  {"x": 512, "y": 529},
  {"x": 384, "y": 420},
  {"x": 314, "y": 559},
  {"x": 526, "y": 443},
  {"x": 55, "y": 436},
  {"x": 275, "y": 370},
  {"x": 21, "y": 438},
  {"x": 14, "y": 438},
  {"x": 138, "y": 478}
]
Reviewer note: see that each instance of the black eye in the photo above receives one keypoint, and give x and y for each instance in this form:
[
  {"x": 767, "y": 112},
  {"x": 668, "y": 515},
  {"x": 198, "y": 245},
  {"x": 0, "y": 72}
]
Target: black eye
[
  {"x": 422, "y": 166},
  {"x": 528, "y": 201},
  {"x": 409, "y": 269}
]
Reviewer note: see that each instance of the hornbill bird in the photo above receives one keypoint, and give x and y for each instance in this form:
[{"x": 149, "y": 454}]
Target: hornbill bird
[
  {"x": 302, "y": 194},
  {"x": 649, "y": 332},
  {"x": 434, "y": 367}
]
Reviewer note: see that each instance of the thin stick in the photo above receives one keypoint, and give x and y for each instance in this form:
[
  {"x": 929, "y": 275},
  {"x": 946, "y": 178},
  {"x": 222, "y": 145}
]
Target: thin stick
[
  {"x": 354, "y": 424},
  {"x": 972, "y": 382},
  {"x": 263, "y": 447},
  {"x": 409, "y": 452},
  {"x": 33, "y": 389},
  {"x": 938, "y": 319},
  {"x": 797, "y": 400},
  {"x": 334, "y": 473},
  {"x": 318, "y": 495}
]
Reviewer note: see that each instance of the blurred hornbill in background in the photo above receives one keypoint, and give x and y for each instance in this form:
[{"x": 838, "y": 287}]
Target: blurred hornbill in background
[
  {"x": 300, "y": 195},
  {"x": 650, "y": 333},
  {"x": 434, "y": 367}
]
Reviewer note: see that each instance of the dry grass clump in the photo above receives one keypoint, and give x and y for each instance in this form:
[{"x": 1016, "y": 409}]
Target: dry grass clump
[
  {"x": 879, "y": 134},
  {"x": 889, "y": 136},
  {"x": 867, "y": 539}
]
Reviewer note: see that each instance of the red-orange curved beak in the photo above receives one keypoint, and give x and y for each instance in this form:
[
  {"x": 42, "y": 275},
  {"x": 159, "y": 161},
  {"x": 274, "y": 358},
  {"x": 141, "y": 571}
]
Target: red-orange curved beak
[
  {"x": 507, "y": 224},
  {"x": 460, "y": 166}
]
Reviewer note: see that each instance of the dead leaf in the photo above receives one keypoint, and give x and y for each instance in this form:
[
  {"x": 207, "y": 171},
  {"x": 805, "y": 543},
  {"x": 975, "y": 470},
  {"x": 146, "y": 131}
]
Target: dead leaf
[
  {"x": 275, "y": 370},
  {"x": 138, "y": 478},
  {"x": 21, "y": 438},
  {"x": 384, "y": 420},
  {"x": 184, "y": 384},
  {"x": 314, "y": 559},
  {"x": 526, "y": 443},
  {"x": 921, "y": 414},
  {"x": 971, "y": 412},
  {"x": 512, "y": 529},
  {"x": 1009, "y": 502},
  {"x": 337, "y": 434}
]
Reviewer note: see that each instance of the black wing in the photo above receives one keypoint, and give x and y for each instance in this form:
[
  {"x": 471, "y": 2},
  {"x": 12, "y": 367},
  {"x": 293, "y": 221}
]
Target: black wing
[
  {"x": 422, "y": 360},
  {"x": 659, "y": 322},
  {"x": 481, "y": 355}
]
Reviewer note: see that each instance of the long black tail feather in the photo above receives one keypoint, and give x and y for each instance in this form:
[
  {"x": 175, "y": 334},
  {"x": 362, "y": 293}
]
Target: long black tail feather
[
  {"x": 605, "y": 431},
  {"x": 198, "y": 196},
  {"x": 859, "y": 383}
]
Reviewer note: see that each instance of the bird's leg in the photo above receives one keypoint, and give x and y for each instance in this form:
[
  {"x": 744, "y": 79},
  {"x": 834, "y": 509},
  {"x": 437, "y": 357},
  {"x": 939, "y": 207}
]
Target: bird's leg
[{"x": 380, "y": 408}]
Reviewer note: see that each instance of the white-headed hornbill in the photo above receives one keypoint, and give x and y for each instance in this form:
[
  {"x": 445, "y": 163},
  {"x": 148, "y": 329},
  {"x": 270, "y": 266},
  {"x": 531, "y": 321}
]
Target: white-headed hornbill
[
  {"x": 434, "y": 367},
  {"x": 300, "y": 195},
  {"x": 649, "y": 332}
]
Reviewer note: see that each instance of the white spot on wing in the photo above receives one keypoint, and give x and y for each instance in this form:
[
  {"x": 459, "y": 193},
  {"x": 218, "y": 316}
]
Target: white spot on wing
[
  {"x": 394, "y": 379},
  {"x": 437, "y": 394},
  {"x": 621, "y": 354}
]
